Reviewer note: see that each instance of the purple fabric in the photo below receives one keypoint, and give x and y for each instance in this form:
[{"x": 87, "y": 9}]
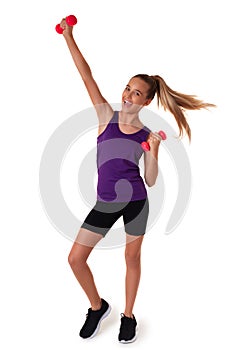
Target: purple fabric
[{"x": 118, "y": 157}]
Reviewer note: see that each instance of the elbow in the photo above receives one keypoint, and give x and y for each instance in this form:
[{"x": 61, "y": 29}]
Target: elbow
[
  {"x": 150, "y": 182},
  {"x": 150, "y": 178},
  {"x": 150, "y": 175},
  {"x": 87, "y": 77}
]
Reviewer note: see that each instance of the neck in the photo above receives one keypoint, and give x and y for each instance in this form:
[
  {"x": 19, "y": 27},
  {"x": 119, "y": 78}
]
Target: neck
[{"x": 129, "y": 118}]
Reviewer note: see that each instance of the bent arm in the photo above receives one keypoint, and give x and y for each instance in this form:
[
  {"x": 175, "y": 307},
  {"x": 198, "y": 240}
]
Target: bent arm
[
  {"x": 103, "y": 109},
  {"x": 151, "y": 161}
]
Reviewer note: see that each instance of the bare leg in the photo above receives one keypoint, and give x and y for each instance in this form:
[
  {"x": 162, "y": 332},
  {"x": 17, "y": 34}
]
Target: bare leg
[
  {"x": 133, "y": 271},
  {"x": 81, "y": 249}
]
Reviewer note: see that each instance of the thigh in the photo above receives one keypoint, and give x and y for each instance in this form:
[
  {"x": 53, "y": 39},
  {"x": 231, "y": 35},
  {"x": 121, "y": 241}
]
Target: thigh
[
  {"x": 135, "y": 217},
  {"x": 83, "y": 245},
  {"x": 133, "y": 245},
  {"x": 102, "y": 217},
  {"x": 87, "y": 238}
]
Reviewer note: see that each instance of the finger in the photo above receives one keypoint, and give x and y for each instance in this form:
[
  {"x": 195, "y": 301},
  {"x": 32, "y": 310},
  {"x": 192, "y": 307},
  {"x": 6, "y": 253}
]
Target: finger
[
  {"x": 63, "y": 23},
  {"x": 154, "y": 139},
  {"x": 157, "y": 136}
]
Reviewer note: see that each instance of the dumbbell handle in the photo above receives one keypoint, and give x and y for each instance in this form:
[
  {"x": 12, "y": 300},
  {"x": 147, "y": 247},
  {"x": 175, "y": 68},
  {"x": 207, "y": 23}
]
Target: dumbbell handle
[
  {"x": 70, "y": 20},
  {"x": 145, "y": 145}
]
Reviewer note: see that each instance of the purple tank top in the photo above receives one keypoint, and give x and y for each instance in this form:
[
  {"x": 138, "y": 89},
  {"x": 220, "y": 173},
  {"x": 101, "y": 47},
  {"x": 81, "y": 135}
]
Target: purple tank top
[{"x": 118, "y": 157}]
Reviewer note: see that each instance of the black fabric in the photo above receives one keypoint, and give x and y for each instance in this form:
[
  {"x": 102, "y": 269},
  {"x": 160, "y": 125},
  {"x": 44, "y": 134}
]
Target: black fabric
[{"x": 104, "y": 214}]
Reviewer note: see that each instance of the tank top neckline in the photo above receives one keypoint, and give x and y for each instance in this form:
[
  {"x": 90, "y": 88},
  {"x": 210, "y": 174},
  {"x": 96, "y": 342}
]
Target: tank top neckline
[{"x": 133, "y": 133}]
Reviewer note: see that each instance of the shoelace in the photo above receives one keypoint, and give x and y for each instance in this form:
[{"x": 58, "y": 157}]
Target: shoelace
[{"x": 88, "y": 314}]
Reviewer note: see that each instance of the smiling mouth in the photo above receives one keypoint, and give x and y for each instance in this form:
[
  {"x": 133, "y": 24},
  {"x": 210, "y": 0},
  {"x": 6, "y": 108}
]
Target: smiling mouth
[{"x": 127, "y": 103}]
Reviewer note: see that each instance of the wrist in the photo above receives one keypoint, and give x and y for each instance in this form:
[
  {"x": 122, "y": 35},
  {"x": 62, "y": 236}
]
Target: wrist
[
  {"x": 154, "y": 150},
  {"x": 68, "y": 36},
  {"x": 154, "y": 156}
]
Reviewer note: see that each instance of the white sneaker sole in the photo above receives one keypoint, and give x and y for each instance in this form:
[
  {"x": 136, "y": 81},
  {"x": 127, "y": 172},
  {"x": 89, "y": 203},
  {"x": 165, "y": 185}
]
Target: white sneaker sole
[{"x": 131, "y": 340}]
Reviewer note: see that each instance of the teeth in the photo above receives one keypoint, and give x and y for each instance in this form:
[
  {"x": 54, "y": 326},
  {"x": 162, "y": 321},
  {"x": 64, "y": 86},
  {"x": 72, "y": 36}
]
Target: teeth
[{"x": 127, "y": 102}]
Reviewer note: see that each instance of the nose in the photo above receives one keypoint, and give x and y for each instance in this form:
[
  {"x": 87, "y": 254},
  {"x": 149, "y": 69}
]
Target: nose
[{"x": 128, "y": 95}]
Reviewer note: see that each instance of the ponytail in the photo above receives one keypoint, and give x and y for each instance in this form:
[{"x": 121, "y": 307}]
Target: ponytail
[{"x": 175, "y": 102}]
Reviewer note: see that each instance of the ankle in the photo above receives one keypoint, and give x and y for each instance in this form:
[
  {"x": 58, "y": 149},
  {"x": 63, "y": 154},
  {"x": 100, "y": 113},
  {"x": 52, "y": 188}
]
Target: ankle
[{"x": 96, "y": 306}]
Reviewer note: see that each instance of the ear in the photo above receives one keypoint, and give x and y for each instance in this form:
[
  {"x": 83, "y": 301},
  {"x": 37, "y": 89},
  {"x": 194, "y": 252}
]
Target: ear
[{"x": 147, "y": 102}]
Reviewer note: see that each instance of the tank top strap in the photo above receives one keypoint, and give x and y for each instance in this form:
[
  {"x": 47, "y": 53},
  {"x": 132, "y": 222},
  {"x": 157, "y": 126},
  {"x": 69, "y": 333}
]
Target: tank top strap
[
  {"x": 147, "y": 129},
  {"x": 114, "y": 119},
  {"x": 113, "y": 123}
]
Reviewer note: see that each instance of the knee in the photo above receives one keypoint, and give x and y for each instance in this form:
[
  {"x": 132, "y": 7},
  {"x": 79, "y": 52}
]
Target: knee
[
  {"x": 71, "y": 259},
  {"x": 132, "y": 259},
  {"x": 75, "y": 260}
]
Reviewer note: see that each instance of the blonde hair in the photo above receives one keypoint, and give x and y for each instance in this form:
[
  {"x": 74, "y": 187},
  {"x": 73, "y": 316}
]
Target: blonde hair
[{"x": 175, "y": 102}]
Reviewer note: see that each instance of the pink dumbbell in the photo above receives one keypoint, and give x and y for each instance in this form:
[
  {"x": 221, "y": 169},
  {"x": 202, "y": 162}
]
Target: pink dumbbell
[
  {"x": 70, "y": 20},
  {"x": 145, "y": 145}
]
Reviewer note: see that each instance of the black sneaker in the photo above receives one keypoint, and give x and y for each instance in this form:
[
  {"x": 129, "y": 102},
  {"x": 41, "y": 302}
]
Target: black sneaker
[
  {"x": 127, "y": 332},
  {"x": 93, "y": 320}
]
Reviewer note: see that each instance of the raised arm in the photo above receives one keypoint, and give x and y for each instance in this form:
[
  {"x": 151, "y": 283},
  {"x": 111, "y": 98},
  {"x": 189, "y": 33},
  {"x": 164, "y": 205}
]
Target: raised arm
[{"x": 103, "y": 108}]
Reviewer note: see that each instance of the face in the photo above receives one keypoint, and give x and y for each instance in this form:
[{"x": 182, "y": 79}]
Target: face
[{"x": 134, "y": 96}]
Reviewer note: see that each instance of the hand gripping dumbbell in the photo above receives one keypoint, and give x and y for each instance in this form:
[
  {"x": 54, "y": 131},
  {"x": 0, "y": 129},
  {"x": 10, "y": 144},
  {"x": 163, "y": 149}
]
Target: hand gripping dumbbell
[
  {"x": 145, "y": 145},
  {"x": 70, "y": 20}
]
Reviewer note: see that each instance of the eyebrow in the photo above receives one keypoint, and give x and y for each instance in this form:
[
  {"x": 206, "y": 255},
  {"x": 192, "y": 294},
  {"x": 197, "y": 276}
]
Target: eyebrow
[{"x": 135, "y": 89}]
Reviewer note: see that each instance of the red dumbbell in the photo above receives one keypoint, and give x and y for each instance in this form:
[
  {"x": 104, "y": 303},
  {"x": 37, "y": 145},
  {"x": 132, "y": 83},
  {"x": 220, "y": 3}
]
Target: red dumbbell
[
  {"x": 145, "y": 145},
  {"x": 70, "y": 20}
]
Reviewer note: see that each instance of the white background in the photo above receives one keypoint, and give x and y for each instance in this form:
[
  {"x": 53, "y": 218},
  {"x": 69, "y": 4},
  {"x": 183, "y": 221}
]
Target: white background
[{"x": 184, "y": 300}]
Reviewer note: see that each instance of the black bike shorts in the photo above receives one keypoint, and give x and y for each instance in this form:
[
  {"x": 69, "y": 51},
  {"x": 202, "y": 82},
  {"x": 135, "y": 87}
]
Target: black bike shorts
[{"x": 104, "y": 214}]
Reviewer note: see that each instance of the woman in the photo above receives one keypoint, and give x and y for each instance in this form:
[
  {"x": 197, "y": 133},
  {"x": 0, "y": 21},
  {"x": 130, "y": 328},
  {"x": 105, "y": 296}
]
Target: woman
[{"x": 121, "y": 190}]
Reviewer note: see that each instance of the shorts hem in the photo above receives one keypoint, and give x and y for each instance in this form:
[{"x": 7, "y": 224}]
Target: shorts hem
[
  {"x": 93, "y": 229},
  {"x": 135, "y": 234}
]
